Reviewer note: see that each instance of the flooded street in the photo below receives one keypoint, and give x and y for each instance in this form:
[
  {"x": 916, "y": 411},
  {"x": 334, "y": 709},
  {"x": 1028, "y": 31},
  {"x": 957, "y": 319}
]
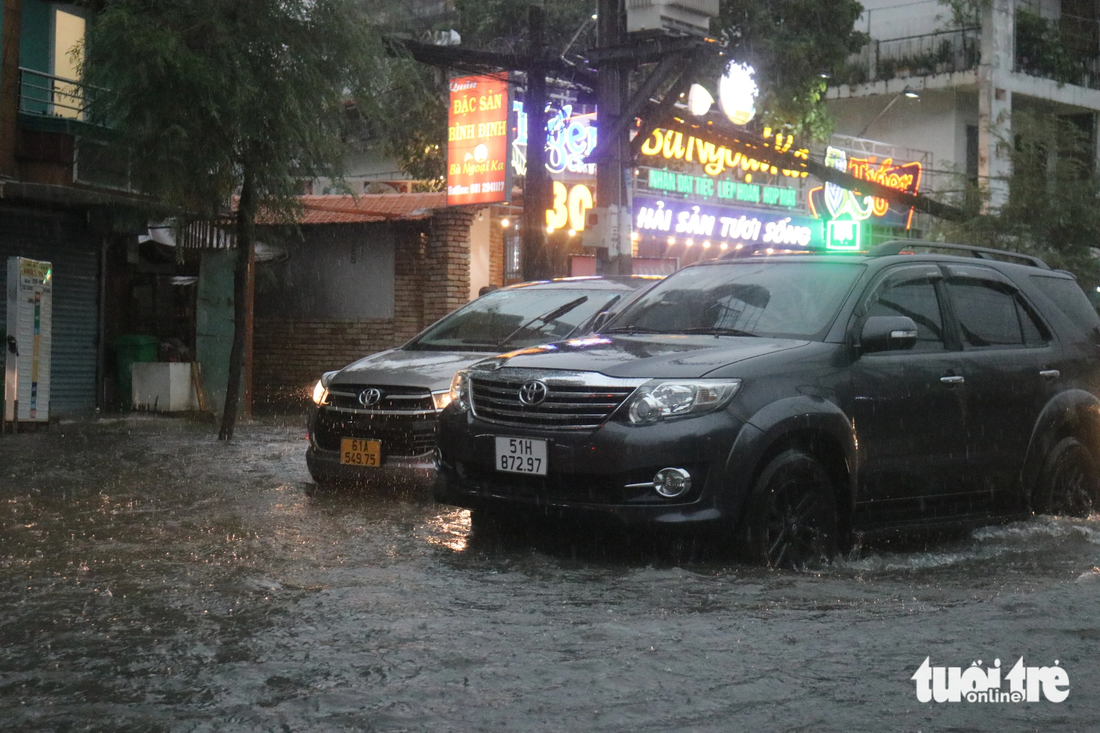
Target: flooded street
[{"x": 154, "y": 579}]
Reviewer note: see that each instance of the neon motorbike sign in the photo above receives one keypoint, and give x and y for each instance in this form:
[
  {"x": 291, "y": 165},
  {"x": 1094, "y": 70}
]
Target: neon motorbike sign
[
  {"x": 840, "y": 203},
  {"x": 571, "y": 138}
]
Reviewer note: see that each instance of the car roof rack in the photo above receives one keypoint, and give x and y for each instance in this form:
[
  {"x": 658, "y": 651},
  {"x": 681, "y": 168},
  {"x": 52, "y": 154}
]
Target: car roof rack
[{"x": 910, "y": 246}]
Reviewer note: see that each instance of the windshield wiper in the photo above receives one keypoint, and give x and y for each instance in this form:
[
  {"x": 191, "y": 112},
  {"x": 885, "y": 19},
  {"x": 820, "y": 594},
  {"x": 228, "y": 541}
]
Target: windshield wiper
[
  {"x": 716, "y": 331},
  {"x": 558, "y": 312},
  {"x": 633, "y": 329}
]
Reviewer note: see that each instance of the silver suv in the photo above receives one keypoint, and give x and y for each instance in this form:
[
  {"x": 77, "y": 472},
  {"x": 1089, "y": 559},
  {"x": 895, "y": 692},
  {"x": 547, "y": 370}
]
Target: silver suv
[{"x": 377, "y": 417}]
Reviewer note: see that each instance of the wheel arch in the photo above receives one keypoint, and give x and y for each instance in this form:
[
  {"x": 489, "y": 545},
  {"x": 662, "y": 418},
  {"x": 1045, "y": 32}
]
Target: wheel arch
[
  {"x": 813, "y": 425},
  {"x": 1074, "y": 413}
]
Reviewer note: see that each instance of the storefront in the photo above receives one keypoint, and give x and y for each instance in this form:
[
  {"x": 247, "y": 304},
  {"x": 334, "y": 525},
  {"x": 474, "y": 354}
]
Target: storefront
[{"x": 694, "y": 200}]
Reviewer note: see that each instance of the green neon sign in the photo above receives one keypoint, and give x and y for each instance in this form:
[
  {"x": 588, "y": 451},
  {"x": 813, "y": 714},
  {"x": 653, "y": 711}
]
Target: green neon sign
[{"x": 843, "y": 235}]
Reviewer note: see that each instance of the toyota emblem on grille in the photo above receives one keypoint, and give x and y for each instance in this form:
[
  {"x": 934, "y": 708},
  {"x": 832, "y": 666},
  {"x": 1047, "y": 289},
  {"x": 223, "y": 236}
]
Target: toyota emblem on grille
[
  {"x": 533, "y": 393},
  {"x": 370, "y": 397}
]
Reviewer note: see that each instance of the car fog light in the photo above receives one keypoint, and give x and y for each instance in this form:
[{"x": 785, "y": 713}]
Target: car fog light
[{"x": 672, "y": 482}]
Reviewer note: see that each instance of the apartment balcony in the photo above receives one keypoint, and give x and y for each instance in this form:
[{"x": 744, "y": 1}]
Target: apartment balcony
[
  {"x": 58, "y": 142},
  {"x": 1066, "y": 51},
  {"x": 931, "y": 54},
  {"x": 52, "y": 102}
]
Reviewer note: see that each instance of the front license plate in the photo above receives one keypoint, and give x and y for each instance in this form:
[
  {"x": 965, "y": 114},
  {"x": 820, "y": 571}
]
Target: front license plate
[
  {"x": 359, "y": 452},
  {"x": 521, "y": 455}
]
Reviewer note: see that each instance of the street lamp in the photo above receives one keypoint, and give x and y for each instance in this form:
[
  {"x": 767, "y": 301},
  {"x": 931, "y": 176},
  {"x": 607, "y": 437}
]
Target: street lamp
[{"x": 908, "y": 93}]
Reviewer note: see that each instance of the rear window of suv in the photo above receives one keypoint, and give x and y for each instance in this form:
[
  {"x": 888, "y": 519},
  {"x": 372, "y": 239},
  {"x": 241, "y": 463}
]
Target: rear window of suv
[{"x": 1067, "y": 295}]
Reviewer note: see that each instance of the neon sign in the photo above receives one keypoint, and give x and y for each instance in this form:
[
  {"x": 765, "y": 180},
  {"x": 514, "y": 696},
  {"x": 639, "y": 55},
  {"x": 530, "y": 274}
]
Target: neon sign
[
  {"x": 670, "y": 145},
  {"x": 843, "y": 236},
  {"x": 840, "y": 202},
  {"x": 570, "y": 207},
  {"x": 724, "y": 224},
  {"x": 571, "y": 138},
  {"x": 724, "y": 190}
]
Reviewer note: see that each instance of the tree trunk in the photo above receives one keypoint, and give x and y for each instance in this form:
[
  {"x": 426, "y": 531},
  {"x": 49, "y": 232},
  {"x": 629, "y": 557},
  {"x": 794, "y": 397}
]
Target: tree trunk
[
  {"x": 246, "y": 216},
  {"x": 9, "y": 83}
]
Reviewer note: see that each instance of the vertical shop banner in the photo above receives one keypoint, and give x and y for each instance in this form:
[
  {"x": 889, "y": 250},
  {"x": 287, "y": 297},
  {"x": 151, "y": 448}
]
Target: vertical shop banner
[
  {"x": 478, "y": 170},
  {"x": 29, "y": 340}
]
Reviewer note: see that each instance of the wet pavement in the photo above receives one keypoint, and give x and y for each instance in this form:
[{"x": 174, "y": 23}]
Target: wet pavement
[{"x": 154, "y": 579}]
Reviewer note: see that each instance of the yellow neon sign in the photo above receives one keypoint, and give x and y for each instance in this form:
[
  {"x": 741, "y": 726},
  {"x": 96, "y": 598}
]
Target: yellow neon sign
[
  {"x": 715, "y": 159},
  {"x": 570, "y": 207}
]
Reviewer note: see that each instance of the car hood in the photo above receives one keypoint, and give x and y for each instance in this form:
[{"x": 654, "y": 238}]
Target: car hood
[
  {"x": 664, "y": 356},
  {"x": 428, "y": 369}
]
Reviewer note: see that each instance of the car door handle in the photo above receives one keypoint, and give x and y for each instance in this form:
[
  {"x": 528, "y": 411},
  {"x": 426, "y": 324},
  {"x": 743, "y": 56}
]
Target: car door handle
[
  {"x": 952, "y": 380},
  {"x": 1050, "y": 373}
]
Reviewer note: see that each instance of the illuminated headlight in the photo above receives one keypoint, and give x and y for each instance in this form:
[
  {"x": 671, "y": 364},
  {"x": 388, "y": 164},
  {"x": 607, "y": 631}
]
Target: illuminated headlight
[
  {"x": 459, "y": 393},
  {"x": 441, "y": 398},
  {"x": 320, "y": 390},
  {"x": 658, "y": 400}
]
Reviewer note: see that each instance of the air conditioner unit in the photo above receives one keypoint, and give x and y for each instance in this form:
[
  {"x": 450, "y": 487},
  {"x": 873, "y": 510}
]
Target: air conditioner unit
[{"x": 675, "y": 16}]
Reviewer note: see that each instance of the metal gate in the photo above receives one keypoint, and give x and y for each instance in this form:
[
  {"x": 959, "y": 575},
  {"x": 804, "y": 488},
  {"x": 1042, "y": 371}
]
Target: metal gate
[{"x": 61, "y": 238}]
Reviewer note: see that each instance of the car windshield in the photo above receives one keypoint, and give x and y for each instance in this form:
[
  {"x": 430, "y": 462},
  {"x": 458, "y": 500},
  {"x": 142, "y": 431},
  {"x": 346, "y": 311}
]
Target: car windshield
[
  {"x": 779, "y": 299},
  {"x": 514, "y": 318}
]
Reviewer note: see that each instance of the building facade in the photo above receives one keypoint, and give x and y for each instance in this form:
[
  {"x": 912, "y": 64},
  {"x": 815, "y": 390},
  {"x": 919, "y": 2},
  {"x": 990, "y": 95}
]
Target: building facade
[{"x": 947, "y": 83}]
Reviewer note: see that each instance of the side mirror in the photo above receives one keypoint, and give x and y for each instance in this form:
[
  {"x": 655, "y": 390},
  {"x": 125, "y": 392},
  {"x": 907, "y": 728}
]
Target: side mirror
[
  {"x": 601, "y": 318},
  {"x": 887, "y": 333}
]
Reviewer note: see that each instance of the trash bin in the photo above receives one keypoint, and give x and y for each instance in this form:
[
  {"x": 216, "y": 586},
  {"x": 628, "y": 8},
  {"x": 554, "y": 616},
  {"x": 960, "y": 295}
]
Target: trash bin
[{"x": 128, "y": 350}]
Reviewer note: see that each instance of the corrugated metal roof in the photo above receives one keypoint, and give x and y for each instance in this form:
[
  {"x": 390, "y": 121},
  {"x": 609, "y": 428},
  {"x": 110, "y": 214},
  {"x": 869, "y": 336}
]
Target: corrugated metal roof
[{"x": 336, "y": 209}]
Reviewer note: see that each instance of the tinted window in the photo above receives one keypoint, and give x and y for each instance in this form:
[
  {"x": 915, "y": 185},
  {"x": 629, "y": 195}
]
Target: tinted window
[
  {"x": 789, "y": 299},
  {"x": 916, "y": 299},
  {"x": 989, "y": 315},
  {"x": 1070, "y": 300},
  {"x": 512, "y": 319}
]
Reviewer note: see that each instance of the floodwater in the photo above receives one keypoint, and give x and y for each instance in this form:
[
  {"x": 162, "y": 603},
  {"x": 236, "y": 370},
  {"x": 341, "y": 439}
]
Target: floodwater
[{"x": 154, "y": 579}]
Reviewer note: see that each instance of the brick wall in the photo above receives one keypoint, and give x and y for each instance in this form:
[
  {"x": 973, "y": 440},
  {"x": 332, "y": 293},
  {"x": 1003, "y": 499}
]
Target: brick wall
[
  {"x": 496, "y": 245},
  {"x": 431, "y": 278},
  {"x": 446, "y": 269},
  {"x": 408, "y": 295},
  {"x": 291, "y": 353}
]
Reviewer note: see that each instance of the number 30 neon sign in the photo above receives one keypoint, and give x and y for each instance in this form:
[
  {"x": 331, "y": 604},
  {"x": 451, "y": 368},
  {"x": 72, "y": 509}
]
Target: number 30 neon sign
[{"x": 570, "y": 206}]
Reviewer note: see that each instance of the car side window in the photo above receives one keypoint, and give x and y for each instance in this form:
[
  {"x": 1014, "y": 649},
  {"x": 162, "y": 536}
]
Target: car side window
[
  {"x": 992, "y": 316},
  {"x": 917, "y": 299}
]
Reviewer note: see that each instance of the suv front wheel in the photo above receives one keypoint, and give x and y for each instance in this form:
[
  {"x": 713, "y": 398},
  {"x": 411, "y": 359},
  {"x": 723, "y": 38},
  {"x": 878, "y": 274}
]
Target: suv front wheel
[
  {"x": 1069, "y": 484},
  {"x": 791, "y": 521}
]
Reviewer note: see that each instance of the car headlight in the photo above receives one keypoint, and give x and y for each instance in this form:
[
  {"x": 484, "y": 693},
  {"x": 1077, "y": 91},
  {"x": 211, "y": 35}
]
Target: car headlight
[
  {"x": 661, "y": 399},
  {"x": 459, "y": 392},
  {"x": 441, "y": 398},
  {"x": 320, "y": 390}
]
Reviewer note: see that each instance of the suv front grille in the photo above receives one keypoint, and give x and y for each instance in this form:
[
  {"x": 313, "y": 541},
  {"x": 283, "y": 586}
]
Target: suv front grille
[
  {"x": 574, "y": 400},
  {"x": 392, "y": 399}
]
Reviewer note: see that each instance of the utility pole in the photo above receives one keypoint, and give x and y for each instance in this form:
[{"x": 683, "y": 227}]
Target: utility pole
[
  {"x": 537, "y": 186},
  {"x": 614, "y": 259}
]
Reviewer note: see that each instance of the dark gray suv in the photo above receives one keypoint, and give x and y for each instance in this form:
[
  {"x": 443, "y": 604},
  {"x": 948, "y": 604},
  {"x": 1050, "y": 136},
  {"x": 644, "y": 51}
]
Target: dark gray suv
[{"x": 794, "y": 399}]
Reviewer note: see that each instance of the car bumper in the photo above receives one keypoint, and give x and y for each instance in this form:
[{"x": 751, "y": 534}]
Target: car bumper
[
  {"x": 417, "y": 471},
  {"x": 594, "y": 474}
]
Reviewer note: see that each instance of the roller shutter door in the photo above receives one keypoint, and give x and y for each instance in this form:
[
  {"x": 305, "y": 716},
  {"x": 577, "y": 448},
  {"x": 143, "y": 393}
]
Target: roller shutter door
[{"x": 61, "y": 238}]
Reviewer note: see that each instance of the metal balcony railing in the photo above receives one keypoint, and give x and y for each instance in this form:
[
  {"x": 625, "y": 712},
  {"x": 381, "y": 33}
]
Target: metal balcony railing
[
  {"x": 943, "y": 52},
  {"x": 1063, "y": 68},
  {"x": 46, "y": 95}
]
